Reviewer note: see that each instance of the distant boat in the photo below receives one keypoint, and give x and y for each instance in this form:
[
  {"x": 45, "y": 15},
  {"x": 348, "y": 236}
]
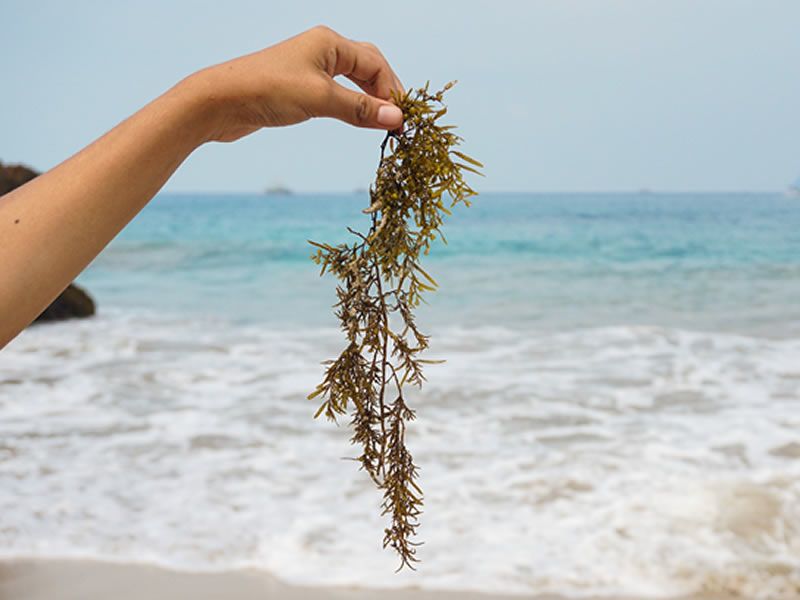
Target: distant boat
[{"x": 278, "y": 190}]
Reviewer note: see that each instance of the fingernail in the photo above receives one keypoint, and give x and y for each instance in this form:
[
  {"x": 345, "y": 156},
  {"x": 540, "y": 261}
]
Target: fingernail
[{"x": 389, "y": 115}]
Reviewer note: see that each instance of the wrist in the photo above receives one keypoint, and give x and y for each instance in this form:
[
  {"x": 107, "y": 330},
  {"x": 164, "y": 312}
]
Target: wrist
[{"x": 200, "y": 109}]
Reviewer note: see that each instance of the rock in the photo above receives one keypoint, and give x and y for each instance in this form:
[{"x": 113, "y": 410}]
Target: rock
[
  {"x": 73, "y": 302},
  {"x": 13, "y": 176}
]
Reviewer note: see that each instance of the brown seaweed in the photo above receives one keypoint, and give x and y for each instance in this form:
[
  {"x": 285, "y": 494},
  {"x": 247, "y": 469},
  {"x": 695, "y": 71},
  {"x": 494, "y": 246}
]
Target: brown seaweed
[{"x": 381, "y": 282}]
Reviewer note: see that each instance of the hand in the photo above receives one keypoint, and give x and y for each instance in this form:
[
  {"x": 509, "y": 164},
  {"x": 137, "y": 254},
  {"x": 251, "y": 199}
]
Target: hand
[{"x": 294, "y": 81}]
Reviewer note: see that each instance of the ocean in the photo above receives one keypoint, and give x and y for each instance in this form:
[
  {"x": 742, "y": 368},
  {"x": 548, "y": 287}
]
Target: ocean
[{"x": 619, "y": 412}]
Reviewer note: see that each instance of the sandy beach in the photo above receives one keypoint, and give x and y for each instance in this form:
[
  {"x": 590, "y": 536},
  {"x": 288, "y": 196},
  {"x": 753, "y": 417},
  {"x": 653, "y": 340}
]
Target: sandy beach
[{"x": 94, "y": 580}]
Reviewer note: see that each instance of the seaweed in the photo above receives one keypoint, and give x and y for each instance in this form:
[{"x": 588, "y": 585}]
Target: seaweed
[{"x": 381, "y": 282}]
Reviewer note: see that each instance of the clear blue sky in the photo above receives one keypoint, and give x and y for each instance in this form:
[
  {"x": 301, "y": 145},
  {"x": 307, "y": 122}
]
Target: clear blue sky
[{"x": 553, "y": 95}]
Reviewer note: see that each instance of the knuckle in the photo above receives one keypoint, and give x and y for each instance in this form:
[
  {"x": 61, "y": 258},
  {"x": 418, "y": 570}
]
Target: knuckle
[
  {"x": 331, "y": 58},
  {"x": 325, "y": 40},
  {"x": 362, "y": 110},
  {"x": 323, "y": 31},
  {"x": 370, "y": 47}
]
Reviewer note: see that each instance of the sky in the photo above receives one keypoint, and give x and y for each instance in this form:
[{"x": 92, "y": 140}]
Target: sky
[{"x": 553, "y": 95}]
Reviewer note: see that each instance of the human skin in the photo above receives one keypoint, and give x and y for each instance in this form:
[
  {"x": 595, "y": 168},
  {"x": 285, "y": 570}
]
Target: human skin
[{"x": 54, "y": 226}]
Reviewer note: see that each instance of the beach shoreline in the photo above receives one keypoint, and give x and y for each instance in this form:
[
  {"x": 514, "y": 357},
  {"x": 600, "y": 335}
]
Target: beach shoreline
[
  {"x": 617, "y": 413},
  {"x": 72, "y": 579}
]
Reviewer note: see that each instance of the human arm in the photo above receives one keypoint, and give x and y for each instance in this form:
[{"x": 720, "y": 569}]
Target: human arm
[{"x": 54, "y": 226}]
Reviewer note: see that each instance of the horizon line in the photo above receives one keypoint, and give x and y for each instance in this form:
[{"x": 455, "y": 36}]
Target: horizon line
[{"x": 639, "y": 192}]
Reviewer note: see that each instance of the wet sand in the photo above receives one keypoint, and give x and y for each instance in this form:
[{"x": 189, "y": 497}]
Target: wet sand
[{"x": 94, "y": 580}]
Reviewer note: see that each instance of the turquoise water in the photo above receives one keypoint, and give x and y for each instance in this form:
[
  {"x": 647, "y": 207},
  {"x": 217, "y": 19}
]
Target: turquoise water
[
  {"x": 728, "y": 262},
  {"x": 618, "y": 414}
]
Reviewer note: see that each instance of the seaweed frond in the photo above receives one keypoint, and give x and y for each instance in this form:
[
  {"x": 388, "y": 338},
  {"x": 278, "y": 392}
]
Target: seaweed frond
[{"x": 380, "y": 283}]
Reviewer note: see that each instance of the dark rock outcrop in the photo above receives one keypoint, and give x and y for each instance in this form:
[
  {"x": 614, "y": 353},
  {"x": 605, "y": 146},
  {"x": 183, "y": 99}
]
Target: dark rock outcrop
[
  {"x": 13, "y": 176},
  {"x": 73, "y": 302}
]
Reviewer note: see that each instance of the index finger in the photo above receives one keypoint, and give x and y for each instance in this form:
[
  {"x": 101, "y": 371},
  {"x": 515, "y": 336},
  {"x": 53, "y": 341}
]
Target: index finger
[{"x": 365, "y": 66}]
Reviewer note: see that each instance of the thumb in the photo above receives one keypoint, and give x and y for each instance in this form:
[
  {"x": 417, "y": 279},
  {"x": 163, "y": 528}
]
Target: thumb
[{"x": 362, "y": 110}]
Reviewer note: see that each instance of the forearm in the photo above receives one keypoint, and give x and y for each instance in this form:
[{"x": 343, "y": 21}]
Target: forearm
[{"x": 52, "y": 227}]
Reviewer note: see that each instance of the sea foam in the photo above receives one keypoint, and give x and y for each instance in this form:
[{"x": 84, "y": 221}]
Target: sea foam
[{"x": 629, "y": 460}]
